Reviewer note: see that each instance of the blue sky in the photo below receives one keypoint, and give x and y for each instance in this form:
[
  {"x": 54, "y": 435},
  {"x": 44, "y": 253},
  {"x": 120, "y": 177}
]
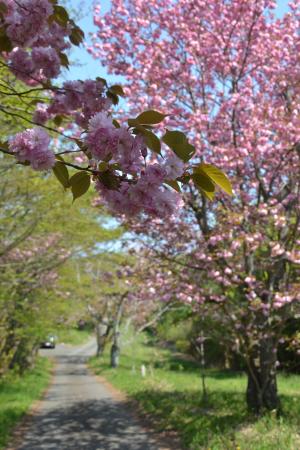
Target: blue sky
[{"x": 91, "y": 68}]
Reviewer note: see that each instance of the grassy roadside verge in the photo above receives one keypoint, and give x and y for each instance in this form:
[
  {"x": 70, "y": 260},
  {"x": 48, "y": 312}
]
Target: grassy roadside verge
[
  {"x": 170, "y": 392},
  {"x": 17, "y": 395}
]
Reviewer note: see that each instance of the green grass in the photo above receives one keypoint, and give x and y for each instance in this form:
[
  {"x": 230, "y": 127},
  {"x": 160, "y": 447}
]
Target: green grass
[
  {"x": 18, "y": 393},
  {"x": 171, "y": 392},
  {"x": 72, "y": 336}
]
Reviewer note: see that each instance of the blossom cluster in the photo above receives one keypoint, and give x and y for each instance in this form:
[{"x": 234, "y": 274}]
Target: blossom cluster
[
  {"x": 38, "y": 32},
  {"x": 36, "y": 40},
  {"x": 79, "y": 100},
  {"x": 32, "y": 146}
]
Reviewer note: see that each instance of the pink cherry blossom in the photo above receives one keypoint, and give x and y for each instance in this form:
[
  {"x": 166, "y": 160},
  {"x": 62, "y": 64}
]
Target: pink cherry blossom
[
  {"x": 102, "y": 138},
  {"x": 32, "y": 145}
]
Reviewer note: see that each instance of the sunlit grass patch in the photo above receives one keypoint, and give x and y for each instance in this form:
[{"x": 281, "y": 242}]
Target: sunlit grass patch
[
  {"x": 171, "y": 392},
  {"x": 18, "y": 393}
]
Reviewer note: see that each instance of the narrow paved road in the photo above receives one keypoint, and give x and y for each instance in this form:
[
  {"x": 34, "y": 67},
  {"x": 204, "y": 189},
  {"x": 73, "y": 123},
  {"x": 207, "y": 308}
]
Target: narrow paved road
[{"x": 79, "y": 413}]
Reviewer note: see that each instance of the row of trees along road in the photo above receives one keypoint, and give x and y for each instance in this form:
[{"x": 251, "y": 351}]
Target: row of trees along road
[
  {"x": 43, "y": 239},
  {"x": 230, "y": 72}
]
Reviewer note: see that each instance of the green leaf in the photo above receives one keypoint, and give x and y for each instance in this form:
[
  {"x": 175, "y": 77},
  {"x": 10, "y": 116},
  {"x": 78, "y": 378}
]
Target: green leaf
[
  {"x": 177, "y": 141},
  {"x": 173, "y": 184},
  {"x": 64, "y": 60},
  {"x": 3, "y": 8},
  {"x": 76, "y": 36},
  {"x": 216, "y": 175},
  {"x": 4, "y": 145},
  {"x": 58, "y": 120},
  {"x": 80, "y": 183},
  {"x": 103, "y": 166},
  {"x": 152, "y": 141},
  {"x": 109, "y": 180},
  {"x": 150, "y": 117},
  {"x": 61, "y": 173},
  {"x": 60, "y": 15},
  {"x": 116, "y": 123},
  {"x": 117, "y": 89},
  {"x": 103, "y": 80},
  {"x": 114, "y": 98},
  {"x": 36, "y": 101},
  {"x": 204, "y": 183},
  {"x": 185, "y": 178},
  {"x": 133, "y": 123},
  {"x": 5, "y": 44}
]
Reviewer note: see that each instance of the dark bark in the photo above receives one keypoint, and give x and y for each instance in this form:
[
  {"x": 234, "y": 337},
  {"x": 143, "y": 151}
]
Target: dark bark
[{"x": 262, "y": 394}]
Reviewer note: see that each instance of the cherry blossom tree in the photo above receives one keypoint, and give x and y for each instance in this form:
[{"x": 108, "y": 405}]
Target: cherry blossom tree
[
  {"x": 35, "y": 36},
  {"x": 230, "y": 72}
]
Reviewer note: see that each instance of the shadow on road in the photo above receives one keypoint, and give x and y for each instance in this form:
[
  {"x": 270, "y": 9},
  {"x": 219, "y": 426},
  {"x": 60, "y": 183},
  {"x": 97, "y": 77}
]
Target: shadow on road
[{"x": 88, "y": 425}]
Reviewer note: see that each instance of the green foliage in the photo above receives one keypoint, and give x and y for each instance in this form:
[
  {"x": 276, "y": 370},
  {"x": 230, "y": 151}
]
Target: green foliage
[
  {"x": 204, "y": 183},
  {"x": 80, "y": 183},
  {"x": 215, "y": 175},
  {"x": 61, "y": 173},
  {"x": 178, "y": 142},
  {"x": 60, "y": 15},
  {"x": 117, "y": 90},
  {"x": 33, "y": 210},
  {"x": 173, "y": 184},
  {"x": 150, "y": 117},
  {"x": 22, "y": 105},
  {"x": 152, "y": 141},
  {"x": 171, "y": 392},
  {"x": 18, "y": 393}
]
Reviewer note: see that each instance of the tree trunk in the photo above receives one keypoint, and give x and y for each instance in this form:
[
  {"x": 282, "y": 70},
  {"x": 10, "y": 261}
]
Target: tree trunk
[
  {"x": 102, "y": 335},
  {"x": 115, "y": 348},
  {"x": 262, "y": 392},
  {"x": 115, "y": 354}
]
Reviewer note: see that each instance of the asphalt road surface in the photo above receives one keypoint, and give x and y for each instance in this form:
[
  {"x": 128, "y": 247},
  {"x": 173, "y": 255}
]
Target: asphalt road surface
[{"x": 79, "y": 413}]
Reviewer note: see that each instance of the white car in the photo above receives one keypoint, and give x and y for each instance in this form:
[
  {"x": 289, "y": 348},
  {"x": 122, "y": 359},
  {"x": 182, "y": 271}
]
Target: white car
[{"x": 49, "y": 342}]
